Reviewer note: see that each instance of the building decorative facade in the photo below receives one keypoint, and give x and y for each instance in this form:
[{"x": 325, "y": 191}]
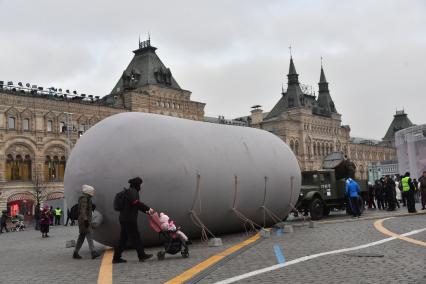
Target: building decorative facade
[
  {"x": 38, "y": 127},
  {"x": 313, "y": 128}
]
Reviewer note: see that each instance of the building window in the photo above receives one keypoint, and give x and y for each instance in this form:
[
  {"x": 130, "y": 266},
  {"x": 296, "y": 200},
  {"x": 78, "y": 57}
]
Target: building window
[
  {"x": 49, "y": 125},
  {"x": 11, "y": 123},
  {"x": 26, "y": 124},
  {"x": 62, "y": 127},
  {"x": 292, "y": 145},
  {"x": 18, "y": 168},
  {"x": 54, "y": 168}
]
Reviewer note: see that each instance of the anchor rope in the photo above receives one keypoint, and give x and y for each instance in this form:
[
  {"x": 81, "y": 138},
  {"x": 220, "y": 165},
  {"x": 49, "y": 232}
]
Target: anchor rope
[
  {"x": 246, "y": 221},
  {"x": 266, "y": 210},
  {"x": 194, "y": 216}
]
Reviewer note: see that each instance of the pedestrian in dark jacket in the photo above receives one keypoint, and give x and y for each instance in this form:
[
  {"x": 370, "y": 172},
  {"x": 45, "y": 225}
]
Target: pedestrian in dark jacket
[
  {"x": 84, "y": 221},
  {"x": 409, "y": 189},
  {"x": 37, "y": 213},
  {"x": 45, "y": 218},
  {"x": 422, "y": 188},
  {"x": 3, "y": 221},
  {"x": 68, "y": 217},
  {"x": 371, "y": 203},
  {"x": 389, "y": 187},
  {"x": 128, "y": 222},
  {"x": 52, "y": 216},
  {"x": 378, "y": 191}
]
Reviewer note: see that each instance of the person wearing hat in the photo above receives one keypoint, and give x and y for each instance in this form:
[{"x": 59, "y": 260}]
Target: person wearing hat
[
  {"x": 84, "y": 221},
  {"x": 45, "y": 221},
  {"x": 128, "y": 222}
]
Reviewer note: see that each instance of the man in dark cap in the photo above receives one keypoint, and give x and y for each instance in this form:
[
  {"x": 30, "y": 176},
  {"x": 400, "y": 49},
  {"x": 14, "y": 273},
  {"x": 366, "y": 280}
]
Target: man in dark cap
[{"x": 129, "y": 222}]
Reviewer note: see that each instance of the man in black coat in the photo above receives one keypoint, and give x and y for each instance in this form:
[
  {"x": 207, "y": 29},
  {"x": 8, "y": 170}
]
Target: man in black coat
[
  {"x": 129, "y": 222},
  {"x": 378, "y": 190},
  {"x": 389, "y": 188}
]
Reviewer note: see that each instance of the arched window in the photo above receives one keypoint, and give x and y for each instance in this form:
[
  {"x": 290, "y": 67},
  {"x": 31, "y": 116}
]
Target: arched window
[
  {"x": 315, "y": 149},
  {"x": 327, "y": 149},
  {"x": 11, "y": 122},
  {"x": 26, "y": 124},
  {"x": 62, "y": 127},
  {"x": 49, "y": 125},
  {"x": 54, "y": 168},
  {"x": 47, "y": 168},
  {"x": 296, "y": 147},
  {"x": 292, "y": 145},
  {"x": 308, "y": 149},
  {"x": 61, "y": 168},
  {"x": 323, "y": 149},
  {"x": 26, "y": 172},
  {"x": 18, "y": 168},
  {"x": 9, "y": 167}
]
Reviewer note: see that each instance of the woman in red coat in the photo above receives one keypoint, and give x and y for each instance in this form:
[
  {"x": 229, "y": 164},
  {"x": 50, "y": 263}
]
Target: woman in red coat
[{"x": 45, "y": 221}]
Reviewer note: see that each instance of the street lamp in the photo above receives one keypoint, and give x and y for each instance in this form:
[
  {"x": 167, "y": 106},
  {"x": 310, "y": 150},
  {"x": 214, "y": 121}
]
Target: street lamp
[{"x": 69, "y": 129}]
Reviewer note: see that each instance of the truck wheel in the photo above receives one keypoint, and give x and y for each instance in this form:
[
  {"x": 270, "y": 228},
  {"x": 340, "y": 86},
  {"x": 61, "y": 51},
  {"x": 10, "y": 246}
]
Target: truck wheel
[
  {"x": 326, "y": 211},
  {"x": 316, "y": 209}
]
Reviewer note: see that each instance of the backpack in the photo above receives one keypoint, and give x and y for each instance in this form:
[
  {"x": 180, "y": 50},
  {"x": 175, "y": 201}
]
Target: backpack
[
  {"x": 120, "y": 200},
  {"x": 74, "y": 212}
]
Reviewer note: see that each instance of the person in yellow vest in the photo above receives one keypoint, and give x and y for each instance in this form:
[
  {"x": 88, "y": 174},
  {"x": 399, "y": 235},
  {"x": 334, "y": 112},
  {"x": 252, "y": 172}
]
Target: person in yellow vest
[
  {"x": 408, "y": 189},
  {"x": 58, "y": 214}
]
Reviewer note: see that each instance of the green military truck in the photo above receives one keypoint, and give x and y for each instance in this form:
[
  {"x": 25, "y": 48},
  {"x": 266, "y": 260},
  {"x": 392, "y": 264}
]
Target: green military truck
[{"x": 324, "y": 190}]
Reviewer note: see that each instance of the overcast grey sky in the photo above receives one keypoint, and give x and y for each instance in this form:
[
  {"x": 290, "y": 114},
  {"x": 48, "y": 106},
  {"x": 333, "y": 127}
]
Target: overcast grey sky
[{"x": 230, "y": 54}]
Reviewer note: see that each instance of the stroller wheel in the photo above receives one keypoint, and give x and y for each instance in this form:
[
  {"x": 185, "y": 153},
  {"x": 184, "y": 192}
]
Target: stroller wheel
[
  {"x": 185, "y": 254},
  {"x": 161, "y": 255}
]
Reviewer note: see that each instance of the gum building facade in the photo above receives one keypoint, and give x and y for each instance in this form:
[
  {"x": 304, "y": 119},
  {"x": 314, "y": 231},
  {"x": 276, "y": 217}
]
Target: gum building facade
[{"x": 38, "y": 127}]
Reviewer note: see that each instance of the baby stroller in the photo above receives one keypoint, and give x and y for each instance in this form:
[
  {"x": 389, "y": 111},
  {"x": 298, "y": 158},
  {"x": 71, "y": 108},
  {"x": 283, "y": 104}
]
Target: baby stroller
[
  {"x": 171, "y": 242},
  {"x": 17, "y": 224}
]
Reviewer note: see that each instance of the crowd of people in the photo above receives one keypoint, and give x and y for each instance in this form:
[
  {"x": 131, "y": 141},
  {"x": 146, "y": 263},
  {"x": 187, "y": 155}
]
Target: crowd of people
[{"x": 389, "y": 192}]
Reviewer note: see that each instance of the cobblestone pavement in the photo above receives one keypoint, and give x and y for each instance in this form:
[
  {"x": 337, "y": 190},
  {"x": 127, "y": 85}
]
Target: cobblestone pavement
[{"x": 27, "y": 258}]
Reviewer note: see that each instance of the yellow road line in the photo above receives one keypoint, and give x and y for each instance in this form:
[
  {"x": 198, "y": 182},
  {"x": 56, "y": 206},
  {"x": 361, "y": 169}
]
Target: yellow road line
[
  {"x": 105, "y": 271},
  {"x": 379, "y": 226},
  {"x": 188, "y": 274}
]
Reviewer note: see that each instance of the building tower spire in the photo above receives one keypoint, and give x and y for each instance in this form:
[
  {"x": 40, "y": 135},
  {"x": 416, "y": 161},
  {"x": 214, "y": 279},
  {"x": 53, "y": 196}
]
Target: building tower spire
[
  {"x": 293, "y": 77},
  {"x": 324, "y": 99}
]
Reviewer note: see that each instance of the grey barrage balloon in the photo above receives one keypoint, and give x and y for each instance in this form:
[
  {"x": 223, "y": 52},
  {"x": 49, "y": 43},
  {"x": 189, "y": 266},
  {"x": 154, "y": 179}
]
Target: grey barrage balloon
[{"x": 193, "y": 171}]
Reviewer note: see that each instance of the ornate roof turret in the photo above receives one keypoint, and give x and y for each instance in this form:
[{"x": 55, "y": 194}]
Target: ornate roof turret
[
  {"x": 325, "y": 103},
  {"x": 146, "y": 68},
  {"x": 293, "y": 77},
  {"x": 292, "y": 98}
]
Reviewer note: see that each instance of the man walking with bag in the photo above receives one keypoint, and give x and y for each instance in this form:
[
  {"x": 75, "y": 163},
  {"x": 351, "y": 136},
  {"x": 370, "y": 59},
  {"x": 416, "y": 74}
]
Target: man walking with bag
[
  {"x": 129, "y": 205},
  {"x": 84, "y": 222}
]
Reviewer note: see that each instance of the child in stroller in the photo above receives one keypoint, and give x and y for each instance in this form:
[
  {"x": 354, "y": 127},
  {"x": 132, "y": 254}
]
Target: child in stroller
[
  {"x": 174, "y": 239},
  {"x": 17, "y": 223}
]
